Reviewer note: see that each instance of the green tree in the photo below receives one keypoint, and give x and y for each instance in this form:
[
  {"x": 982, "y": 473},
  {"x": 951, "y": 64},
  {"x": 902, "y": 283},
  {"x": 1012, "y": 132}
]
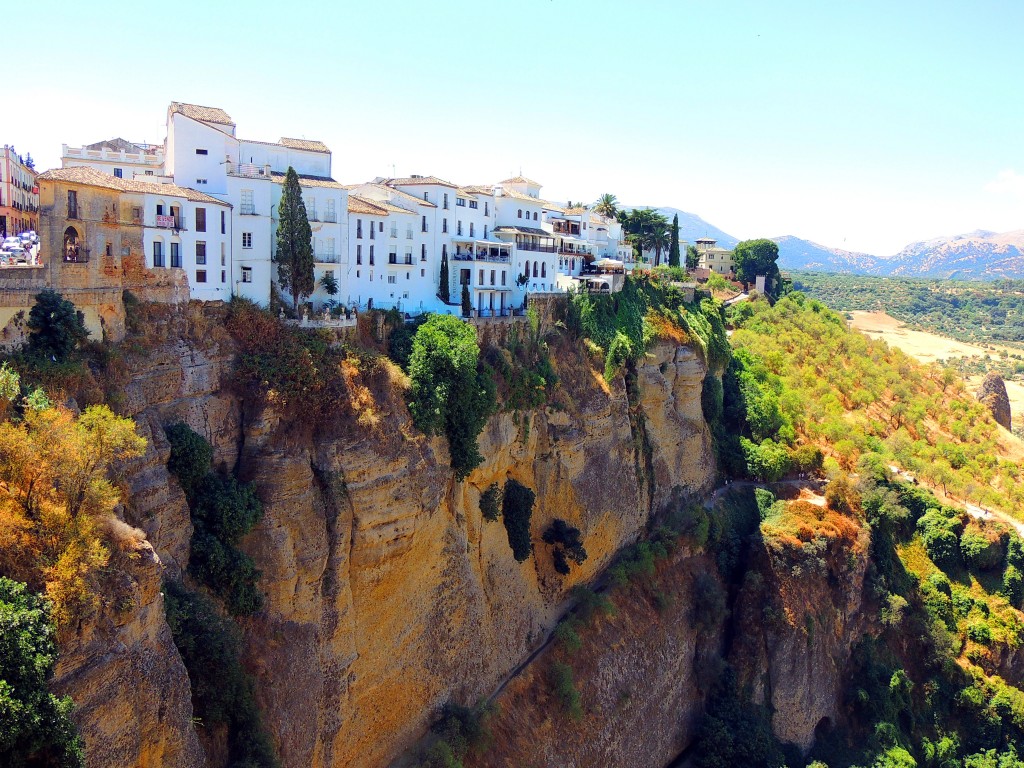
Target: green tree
[
  {"x": 751, "y": 258},
  {"x": 692, "y": 257},
  {"x": 56, "y": 328},
  {"x": 444, "y": 289},
  {"x": 294, "y": 256},
  {"x": 35, "y": 725},
  {"x": 448, "y": 394},
  {"x": 329, "y": 283},
  {"x": 467, "y": 303},
  {"x": 607, "y": 205},
  {"x": 659, "y": 239},
  {"x": 673, "y": 248}
]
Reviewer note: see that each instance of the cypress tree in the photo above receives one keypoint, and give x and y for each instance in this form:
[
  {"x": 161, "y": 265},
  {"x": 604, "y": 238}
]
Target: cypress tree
[
  {"x": 294, "y": 257},
  {"x": 467, "y": 304},
  {"x": 673, "y": 252},
  {"x": 444, "y": 289}
]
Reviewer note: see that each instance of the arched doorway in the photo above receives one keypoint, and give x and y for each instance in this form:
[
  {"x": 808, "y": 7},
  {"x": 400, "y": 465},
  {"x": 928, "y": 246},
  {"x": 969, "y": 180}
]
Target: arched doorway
[{"x": 72, "y": 248}]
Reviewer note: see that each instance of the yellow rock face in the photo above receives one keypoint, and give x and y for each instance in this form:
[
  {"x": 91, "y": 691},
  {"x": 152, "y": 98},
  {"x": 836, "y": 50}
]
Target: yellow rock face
[{"x": 387, "y": 593}]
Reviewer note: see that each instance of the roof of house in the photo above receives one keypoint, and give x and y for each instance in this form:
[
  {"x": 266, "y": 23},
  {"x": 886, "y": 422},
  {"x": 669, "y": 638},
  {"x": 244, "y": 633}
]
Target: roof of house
[
  {"x": 412, "y": 180},
  {"x": 93, "y": 178},
  {"x": 205, "y": 114},
  {"x": 310, "y": 145},
  {"x": 576, "y": 210},
  {"x": 521, "y": 180},
  {"x": 357, "y": 204},
  {"x": 524, "y": 231},
  {"x": 309, "y": 180},
  {"x": 119, "y": 145},
  {"x": 395, "y": 192},
  {"x": 477, "y": 189}
]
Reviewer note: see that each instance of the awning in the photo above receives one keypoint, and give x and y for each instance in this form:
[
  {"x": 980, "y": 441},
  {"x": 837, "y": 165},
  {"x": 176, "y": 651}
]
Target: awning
[
  {"x": 607, "y": 263},
  {"x": 523, "y": 231}
]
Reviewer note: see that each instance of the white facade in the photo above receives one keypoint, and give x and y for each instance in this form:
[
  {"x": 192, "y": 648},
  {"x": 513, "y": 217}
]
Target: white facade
[{"x": 116, "y": 157}]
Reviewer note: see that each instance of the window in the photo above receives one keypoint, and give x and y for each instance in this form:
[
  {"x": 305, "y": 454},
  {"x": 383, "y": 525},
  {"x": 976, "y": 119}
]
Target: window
[
  {"x": 407, "y": 277},
  {"x": 223, "y": 276},
  {"x": 426, "y": 197},
  {"x": 136, "y": 214},
  {"x": 458, "y": 228},
  {"x": 503, "y": 277},
  {"x": 393, "y": 256},
  {"x": 485, "y": 231},
  {"x": 118, "y": 173},
  {"x": 408, "y": 256},
  {"x": 446, "y": 201},
  {"x": 331, "y": 215},
  {"x": 423, "y": 252},
  {"x": 247, "y": 239},
  {"x": 223, "y": 223},
  {"x": 223, "y": 254},
  {"x": 444, "y": 251},
  {"x": 535, "y": 218},
  {"x": 330, "y": 247},
  {"x": 109, "y": 250},
  {"x": 492, "y": 277},
  {"x": 535, "y": 269},
  {"x": 176, "y": 255},
  {"x": 200, "y": 219},
  {"x": 359, "y": 228},
  {"x": 72, "y": 204},
  {"x": 474, "y": 204},
  {"x": 423, "y": 225},
  {"x": 444, "y": 225},
  {"x": 486, "y": 208},
  {"x": 371, "y": 255},
  {"x": 359, "y": 254},
  {"x": 200, "y": 252},
  {"x": 471, "y": 233},
  {"x": 149, "y": 173},
  {"x": 202, "y": 152},
  {"x": 481, "y": 280},
  {"x": 544, "y": 269},
  {"x": 519, "y": 214},
  {"x": 405, "y": 294},
  {"x": 527, "y": 272},
  {"x": 460, "y": 202},
  {"x": 159, "y": 209},
  {"x": 373, "y": 230},
  {"x": 394, "y": 229},
  {"x": 246, "y": 274},
  {"x": 423, "y": 273},
  {"x": 392, "y": 279},
  {"x": 357, "y": 273},
  {"x": 200, "y": 181},
  {"x": 158, "y": 253},
  {"x": 200, "y": 275}
]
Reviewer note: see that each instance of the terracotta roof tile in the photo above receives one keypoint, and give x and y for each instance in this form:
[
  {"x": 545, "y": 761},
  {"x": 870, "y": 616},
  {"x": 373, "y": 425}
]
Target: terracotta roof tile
[
  {"x": 309, "y": 145},
  {"x": 94, "y": 178},
  {"x": 309, "y": 180},
  {"x": 391, "y": 191},
  {"x": 521, "y": 180},
  {"x": 205, "y": 114},
  {"x": 414, "y": 180},
  {"x": 357, "y": 204}
]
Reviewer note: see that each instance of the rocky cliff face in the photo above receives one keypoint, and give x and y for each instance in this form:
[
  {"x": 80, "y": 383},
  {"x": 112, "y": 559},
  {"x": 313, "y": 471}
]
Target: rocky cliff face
[{"x": 387, "y": 594}]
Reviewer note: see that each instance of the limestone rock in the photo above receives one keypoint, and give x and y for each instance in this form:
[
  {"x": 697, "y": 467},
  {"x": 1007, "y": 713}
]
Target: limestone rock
[{"x": 993, "y": 394}]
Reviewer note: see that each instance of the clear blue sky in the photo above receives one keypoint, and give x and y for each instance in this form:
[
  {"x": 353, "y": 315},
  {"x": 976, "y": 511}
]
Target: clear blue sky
[{"x": 861, "y": 125}]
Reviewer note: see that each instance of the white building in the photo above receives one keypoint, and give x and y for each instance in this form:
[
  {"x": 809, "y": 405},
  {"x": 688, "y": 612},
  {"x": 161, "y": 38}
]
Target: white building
[
  {"x": 116, "y": 157},
  {"x": 711, "y": 257}
]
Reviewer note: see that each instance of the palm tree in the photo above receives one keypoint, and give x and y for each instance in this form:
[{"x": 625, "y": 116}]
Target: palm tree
[
  {"x": 607, "y": 205},
  {"x": 659, "y": 238}
]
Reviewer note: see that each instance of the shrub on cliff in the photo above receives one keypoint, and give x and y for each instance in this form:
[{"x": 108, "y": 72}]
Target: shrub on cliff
[
  {"x": 451, "y": 393},
  {"x": 567, "y": 545},
  {"x": 222, "y": 511},
  {"x": 35, "y": 725},
  {"x": 221, "y": 689},
  {"x": 516, "y": 511}
]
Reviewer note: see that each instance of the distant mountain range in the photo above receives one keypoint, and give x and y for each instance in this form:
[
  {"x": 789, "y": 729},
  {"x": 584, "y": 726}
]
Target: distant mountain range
[{"x": 978, "y": 255}]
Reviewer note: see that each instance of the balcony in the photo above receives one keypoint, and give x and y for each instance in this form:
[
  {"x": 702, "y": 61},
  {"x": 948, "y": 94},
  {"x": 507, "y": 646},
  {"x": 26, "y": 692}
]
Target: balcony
[
  {"x": 394, "y": 258},
  {"x": 331, "y": 218},
  {"x": 248, "y": 170},
  {"x": 311, "y": 215},
  {"x": 247, "y": 209},
  {"x": 408, "y": 234},
  {"x": 325, "y": 258},
  {"x": 536, "y": 247}
]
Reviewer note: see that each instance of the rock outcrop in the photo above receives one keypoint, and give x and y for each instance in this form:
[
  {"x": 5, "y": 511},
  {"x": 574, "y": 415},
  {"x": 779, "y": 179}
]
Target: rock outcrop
[{"x": 993, "y": 395}]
